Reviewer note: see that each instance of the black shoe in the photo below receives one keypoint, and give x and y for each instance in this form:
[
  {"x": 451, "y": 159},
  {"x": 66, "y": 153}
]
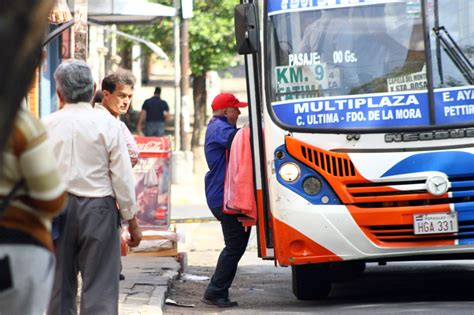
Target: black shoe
[
  {"x": 220, "y": 302},
  {"x": 121, "y": 277}
]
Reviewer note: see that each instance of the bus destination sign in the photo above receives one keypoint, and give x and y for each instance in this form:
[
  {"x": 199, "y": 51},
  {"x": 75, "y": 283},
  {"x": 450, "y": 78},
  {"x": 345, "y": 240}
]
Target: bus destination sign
[
  {"x": 282, "y": 6},
  {"x": 376, "y": 110}
]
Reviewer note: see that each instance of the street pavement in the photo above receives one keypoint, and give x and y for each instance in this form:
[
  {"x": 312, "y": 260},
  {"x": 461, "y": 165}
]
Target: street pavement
[
  {"x": 147, "y": 279},
  {"x": 146, "y": 283}
]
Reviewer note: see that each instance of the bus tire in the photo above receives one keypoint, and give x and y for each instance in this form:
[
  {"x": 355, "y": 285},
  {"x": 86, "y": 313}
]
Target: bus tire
[
  {"x": 346, "y": 270},
  {"x": 310, "y": 282}
]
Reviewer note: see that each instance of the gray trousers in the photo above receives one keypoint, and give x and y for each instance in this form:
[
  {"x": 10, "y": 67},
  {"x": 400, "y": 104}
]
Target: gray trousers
[
  {"x": 31, "y": 269},
  {"x": 89, "y": 230}
]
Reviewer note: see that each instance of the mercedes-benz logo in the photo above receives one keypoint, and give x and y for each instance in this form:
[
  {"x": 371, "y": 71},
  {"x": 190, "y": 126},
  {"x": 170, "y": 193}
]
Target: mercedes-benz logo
[{"x": 437, "y": 185}]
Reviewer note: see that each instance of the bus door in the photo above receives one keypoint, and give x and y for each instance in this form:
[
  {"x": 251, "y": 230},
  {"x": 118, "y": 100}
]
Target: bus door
[{"x": 246, "y": 30}]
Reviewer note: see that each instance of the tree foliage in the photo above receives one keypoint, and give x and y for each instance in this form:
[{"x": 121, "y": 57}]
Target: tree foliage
[
  {"x": 211, "y": 34},
  {"x": 211, "y": 46}
]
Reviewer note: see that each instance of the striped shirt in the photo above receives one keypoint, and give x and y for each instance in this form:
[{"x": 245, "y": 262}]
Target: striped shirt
[
  {"x": 28, "y": 156},
  {"x": 127, "y": 136}
]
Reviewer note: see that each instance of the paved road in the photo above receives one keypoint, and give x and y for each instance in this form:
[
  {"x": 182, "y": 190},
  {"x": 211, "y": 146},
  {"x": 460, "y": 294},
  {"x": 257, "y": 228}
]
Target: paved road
[{"x": 429, "y": 287}]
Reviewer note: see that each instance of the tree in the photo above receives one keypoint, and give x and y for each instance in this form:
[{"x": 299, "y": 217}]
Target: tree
[{"x": 211, "y": 46}]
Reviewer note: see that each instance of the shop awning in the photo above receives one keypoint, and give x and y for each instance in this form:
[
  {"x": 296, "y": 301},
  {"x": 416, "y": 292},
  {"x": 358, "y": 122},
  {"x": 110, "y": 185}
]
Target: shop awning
[{"x": 127, "y": 11}]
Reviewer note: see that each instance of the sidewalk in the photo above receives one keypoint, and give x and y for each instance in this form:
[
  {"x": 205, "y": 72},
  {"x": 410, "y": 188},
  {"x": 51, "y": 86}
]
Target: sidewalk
[
  {"x": 146, "y": 283},
  {"x": 147, "y": 279}
]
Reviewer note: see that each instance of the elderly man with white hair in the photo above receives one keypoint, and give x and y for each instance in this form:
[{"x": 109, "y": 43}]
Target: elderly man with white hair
[{"x": 94, "y": 163}]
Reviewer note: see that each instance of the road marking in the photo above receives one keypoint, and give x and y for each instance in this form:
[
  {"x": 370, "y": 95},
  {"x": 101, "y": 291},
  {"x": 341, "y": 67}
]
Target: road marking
[{"x": 193, "y": 220}]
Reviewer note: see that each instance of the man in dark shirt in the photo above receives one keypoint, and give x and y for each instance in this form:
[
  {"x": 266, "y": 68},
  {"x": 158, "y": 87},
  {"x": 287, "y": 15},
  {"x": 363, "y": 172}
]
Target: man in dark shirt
[
  {"x": 219, "y": 134},
  {"x": 154, "y": 111}
]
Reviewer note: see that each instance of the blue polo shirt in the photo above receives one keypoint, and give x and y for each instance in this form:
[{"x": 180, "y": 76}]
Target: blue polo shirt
[
  {"x": 155, "y": 109},
  {"x": 219, "y": 135}
]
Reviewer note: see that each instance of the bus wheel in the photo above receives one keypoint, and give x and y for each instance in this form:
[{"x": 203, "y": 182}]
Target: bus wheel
[
  {"x": 346, "y": 270},
  {"x": 310, "y": 282}
]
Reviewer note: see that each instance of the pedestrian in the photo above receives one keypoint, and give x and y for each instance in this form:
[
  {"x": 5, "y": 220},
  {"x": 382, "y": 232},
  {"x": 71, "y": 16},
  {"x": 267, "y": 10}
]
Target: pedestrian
[
  {"x": 117, "y": 93},
  {"x": 28, "y": 173},
  {"x": 220, "y": 132},
  {"x": 93, "y": 160},
  {"x": 154, "y": 111},
  {"x": 115, "y": 98},
  {"x": 98, "y": 96}
]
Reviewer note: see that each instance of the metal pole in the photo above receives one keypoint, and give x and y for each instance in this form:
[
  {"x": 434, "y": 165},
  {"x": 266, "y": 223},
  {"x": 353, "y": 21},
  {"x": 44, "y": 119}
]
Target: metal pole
[
  {"x": 185, "y": 97},
  {"x": 177, "y": 75}
]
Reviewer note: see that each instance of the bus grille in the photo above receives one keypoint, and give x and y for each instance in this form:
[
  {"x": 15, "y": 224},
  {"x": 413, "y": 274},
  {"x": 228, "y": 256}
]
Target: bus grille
[
  {"x": 383, "y": 214},
  {"x": 405, "y": 233},
  {"x": 408, "y": 193},
  {"x": 336, "y": 164}
]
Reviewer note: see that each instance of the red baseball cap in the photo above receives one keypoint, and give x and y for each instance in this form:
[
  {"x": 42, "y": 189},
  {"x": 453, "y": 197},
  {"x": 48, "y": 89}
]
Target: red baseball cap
[{"x": 224, "y": 100}]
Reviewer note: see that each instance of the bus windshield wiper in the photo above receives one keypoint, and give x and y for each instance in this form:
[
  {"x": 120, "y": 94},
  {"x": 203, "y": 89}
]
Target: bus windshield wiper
[{"x": 455, "y": 53}]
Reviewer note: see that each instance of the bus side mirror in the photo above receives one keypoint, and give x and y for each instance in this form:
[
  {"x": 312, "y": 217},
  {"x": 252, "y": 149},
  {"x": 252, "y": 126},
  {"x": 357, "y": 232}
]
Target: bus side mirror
[{"x": 246, "y": 31}]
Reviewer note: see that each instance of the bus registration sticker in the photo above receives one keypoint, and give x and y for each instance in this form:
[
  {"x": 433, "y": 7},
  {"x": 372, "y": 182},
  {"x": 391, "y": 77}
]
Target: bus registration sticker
[{"x": 435, "y": 223}]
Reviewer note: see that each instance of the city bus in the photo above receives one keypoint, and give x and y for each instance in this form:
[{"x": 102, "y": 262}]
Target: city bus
[{"x": 362, "y": 131}]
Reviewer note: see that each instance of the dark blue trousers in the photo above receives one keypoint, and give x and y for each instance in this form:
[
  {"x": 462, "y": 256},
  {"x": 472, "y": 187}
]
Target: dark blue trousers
[{"x": 236, "y": 240}]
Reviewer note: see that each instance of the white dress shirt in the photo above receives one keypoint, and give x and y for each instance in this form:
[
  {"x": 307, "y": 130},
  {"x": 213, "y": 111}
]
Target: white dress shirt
[{"x": 92, "y": 155}]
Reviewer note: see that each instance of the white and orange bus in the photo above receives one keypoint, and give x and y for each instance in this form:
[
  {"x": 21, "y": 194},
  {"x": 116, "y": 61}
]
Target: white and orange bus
[{"x": 362, "y": 129}]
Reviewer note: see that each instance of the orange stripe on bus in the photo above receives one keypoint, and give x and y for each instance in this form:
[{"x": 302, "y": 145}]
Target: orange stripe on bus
[
  {"x": 294, "y": 248},
  {"x": 261, "y": 223},
  {"x": 339, "y": 172}
]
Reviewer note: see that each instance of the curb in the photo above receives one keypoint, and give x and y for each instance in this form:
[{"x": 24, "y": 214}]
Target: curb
[{"x": 146, "y": 284}]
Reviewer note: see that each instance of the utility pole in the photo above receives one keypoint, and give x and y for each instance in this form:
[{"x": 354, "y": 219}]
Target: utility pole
[
  {"x": 79, "y": 33},
  {"x": 177, "y": 73},
  {"x": 185, "y": 97},
  {"x": 182, "y": 158}
]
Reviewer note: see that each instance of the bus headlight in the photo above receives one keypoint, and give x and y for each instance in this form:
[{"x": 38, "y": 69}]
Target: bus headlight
[
  {"x": 289, "y": 171},
  {"x": 312, "y": 185}
]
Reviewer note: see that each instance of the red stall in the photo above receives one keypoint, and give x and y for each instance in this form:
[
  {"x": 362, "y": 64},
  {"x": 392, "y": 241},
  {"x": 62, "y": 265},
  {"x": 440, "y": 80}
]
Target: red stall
[{"x": 153, "y": 188}]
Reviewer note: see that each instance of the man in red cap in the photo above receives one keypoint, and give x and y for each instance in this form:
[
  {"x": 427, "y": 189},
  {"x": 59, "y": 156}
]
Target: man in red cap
[{"x": 220, "y": 132}]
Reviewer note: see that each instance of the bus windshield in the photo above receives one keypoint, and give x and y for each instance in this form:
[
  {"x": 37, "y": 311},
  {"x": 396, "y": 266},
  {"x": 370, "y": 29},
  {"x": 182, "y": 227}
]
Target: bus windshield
[{"x": 361, "y": 64}]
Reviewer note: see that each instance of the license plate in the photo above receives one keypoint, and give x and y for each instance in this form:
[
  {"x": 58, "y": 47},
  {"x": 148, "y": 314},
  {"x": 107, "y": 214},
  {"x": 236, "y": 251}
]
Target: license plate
[{"x": 435, "y": 223}]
